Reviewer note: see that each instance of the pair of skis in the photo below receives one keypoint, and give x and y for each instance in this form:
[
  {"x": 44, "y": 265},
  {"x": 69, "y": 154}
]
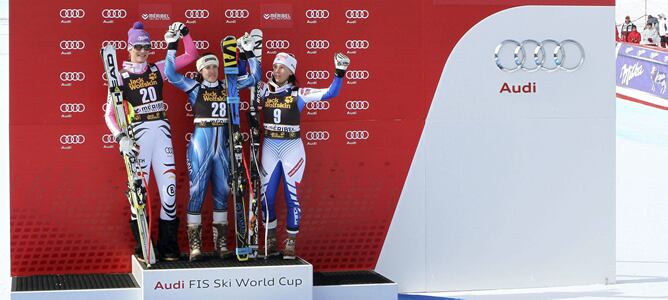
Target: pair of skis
[
  {"x": 136, "y": 184},
  {"x": 246, "y": 236}
]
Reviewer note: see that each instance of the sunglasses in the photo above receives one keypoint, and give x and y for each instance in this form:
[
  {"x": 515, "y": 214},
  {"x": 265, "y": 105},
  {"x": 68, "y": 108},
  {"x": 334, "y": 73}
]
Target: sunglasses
[{"x": 139, "y": 47}]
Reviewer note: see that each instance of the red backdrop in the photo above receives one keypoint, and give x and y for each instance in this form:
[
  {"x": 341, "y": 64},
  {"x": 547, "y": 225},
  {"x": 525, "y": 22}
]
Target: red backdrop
[{"x": 68, "y": 212}]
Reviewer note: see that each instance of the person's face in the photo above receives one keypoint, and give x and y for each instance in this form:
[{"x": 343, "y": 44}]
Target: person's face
[
  {"x": 627, "y": 20},
  {"x": 139, "y": 53},
  {"x": 281, "y": 73},
  {"x": 210, "y": 73}
]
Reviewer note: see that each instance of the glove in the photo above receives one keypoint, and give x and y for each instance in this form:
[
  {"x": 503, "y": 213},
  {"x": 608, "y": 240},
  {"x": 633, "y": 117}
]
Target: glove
[
  {"x": 341, "y": 63},
  {"x": 127, "y": 146},
  {"x": 246, "y": 44},
  {"x": 180, "y": 28},
  {"x": 172, "y": 39}
]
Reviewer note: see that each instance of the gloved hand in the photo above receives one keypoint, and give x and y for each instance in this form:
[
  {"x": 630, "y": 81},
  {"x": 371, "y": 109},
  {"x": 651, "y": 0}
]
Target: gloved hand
[
  {"x": 179, "y": 28},
  {"x": 246, "y": 44},
  {"x": 172, "y": 39},
  {"x": 341, "y": 63},
  {"x": 127, "y": 146}
]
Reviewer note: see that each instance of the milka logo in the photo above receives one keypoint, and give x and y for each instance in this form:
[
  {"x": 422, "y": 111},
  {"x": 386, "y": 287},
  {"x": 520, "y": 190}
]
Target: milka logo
[{"x": 630, "y": 72}]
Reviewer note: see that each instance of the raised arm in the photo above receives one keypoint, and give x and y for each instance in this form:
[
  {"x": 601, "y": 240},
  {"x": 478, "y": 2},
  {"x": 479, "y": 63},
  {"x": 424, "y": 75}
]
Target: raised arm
[{"x": 188, "y": 56}]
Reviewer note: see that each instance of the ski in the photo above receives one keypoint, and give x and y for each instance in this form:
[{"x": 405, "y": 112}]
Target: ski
[
  {"x": 237, "y": 172},
  {"x": 254, "y": 128},
  {"x": 136, "y": 189}
]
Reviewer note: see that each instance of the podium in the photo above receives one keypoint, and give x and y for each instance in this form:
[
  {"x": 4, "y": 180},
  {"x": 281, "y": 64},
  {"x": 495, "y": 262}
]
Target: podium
[{"x": 210, "y": 278}]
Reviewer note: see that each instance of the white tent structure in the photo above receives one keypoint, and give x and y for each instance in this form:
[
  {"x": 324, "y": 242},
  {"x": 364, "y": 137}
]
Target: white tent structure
[{"x": 638, "y": 10}]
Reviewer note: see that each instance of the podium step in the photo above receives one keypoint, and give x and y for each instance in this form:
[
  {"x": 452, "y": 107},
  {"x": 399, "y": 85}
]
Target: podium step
[
  {"x": 72, "y": 282},
  {"x": 348, "y": 278}
]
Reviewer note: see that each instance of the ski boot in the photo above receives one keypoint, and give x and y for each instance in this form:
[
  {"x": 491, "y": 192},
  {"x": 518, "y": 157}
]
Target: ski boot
[
  {"x": 220, "y": 240},
  {"x": 289, "y": 252},
  {"x": 168, "y": 245},
  {"x": 195, "y": 241},
  {"x": 272, "y": 244},
  {"x": 134, "y": 227}
]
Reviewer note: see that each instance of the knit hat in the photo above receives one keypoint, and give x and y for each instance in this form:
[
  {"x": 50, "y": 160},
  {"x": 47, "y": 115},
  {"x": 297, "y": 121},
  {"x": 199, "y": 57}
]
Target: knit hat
[
  {"x": 205, "y": 61},
  {"x": 287, "y": 60},
  {"x": 137, "y": 35}
]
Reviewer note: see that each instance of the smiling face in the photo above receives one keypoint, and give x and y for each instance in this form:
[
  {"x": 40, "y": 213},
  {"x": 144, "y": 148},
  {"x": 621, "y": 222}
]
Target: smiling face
[
  {"x": 139, "y": 53},
  {"x": 281, "y": 73},
  {"x": 210, "y": 73}
]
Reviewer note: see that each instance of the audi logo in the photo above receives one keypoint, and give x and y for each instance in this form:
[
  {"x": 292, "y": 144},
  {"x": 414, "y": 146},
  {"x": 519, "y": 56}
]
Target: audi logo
[
  {"x": 357, "y": 44},
  {"x": 244, "y": 105},
  {"x": 72, "y": 45},
  {"x": 72, "y": 107},
  {"x": 196, "y": 14},
  {"x": 313, "y": 75},
  {"x": 357, "y": 135},
  {"x": 277, "y": 44},
  {"x": 245, "y": 136},
  {"x": 189, "y": 107},
  {"x": 72, "y": 139},
  {"x": 357, "y": 105},
  {"x": 317, "y": 105},
  {"x": 201, "y": 45},
  {"x": 108, "y": 138},
  {"x": 104, "y": 76},
  {"x": 317, "y": 14},
  {"x": 116, "y": 44},
  {"x": 548, "y": 55},
  {"x": 357, "y": 14},
  {"x": 104, "y": 107},
  {"x": 357, "y": 74},
  {"x": 72, "y": 76},
  {"x": 268, "y": 75},
  {"x": 72, "y": 13},
  {"x": 317, "y": 135},
  {"x": 188, "y": 136},
  {"x": 317, "y": 44},
  {"x": 191, "y": 74},
  {"x": 114, "y": 13},
  {"x": 158, "y": 45},
  {"x": 166, "y": 106},
  {"x": 236, "y": 13}
]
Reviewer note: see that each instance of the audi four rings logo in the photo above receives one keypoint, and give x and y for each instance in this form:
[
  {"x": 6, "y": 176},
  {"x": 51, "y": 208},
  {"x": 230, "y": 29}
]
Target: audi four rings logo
[
  {"x": 313, "y": 75},
  {"x": 116, "y": 44},
  {"x": 108, "y": 138},
  {"x": 357, "y": 44},
  {"x": 191, "y": 74},
  {"x": 277, "y": 44},
  {"x": 72, "y": 13},
  {"x": 268, "y": 74},
  {"x": 158, "y": 45},
  {"x": 236, "y": 13},
  {"x": 104, "y": 76},
  {"x": 197, "y": 14},
  {"x": 357, "y": 14},
  {"x": 357, "y": 74},
  {"x": 72, "y": 45},
  {"x": 357, "y": 105},
  {"x": 317, "y": 135},
  {"x": 188, "y": 136},
  {"x": 76, "y": 139},
  {"x": 72, "y": 76},
  {"x": 357, "y": 135},
  {"x": 245, "y": 136},
  {"x": 104, "y": 107},
  {"x": 548, "y": 55},
  {"x": 244, "y": 105},
  {"x": 201, "y": 45},
  {"x": 317, "y": 44},
  {"x": 72, "y": 107},
  {"x": 114, "y": 13},
  {"x": 317, "y": 105},
  {"x": 317, "y": 14},
  {"x": 189, "y": 107}
]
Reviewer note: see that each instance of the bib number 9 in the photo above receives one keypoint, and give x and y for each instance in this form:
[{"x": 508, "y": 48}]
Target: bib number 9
[{"x": 277, "y": 116}]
